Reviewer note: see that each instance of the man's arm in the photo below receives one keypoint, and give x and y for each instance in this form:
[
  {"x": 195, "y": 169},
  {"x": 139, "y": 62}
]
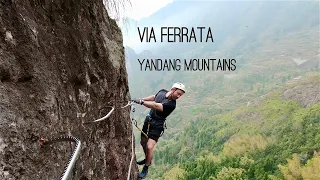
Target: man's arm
[
  {"x": 154, "y": 105},
  {"x": 150, "y": 103},
  {"x": 149, "y": 98}
]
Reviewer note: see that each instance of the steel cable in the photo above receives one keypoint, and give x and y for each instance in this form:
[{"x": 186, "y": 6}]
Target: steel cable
[
  {"x": 76, "y": 152},
  {"x": 73, "y": 157}
]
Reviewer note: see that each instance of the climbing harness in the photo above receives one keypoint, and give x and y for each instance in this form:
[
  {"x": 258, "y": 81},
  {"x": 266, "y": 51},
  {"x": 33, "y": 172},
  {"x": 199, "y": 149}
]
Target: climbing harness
[
  {"x": 164, "y": 127},
  {"x": 73, "y": 156}
]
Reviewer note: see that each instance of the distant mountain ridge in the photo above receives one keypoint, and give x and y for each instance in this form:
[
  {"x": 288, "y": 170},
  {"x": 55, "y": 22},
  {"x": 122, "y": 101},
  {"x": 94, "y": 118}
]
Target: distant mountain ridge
[{"x": 244, "y": 21}]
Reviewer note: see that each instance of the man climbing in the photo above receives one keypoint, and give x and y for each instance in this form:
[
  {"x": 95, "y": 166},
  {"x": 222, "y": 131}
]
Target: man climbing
[{"x": 162, "y": 105}]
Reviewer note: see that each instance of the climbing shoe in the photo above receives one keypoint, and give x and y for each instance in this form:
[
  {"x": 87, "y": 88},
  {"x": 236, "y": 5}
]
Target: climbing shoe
[
  {"x": 142, "y": 162},
  {"x": 144, "y": 172}
]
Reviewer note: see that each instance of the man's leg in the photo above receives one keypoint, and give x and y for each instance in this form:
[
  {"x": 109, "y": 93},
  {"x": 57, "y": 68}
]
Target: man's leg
[
  {"x": 144, "y": 139},
  {"x": 150, "y": 147},
  {"x": 143, "y": 142}
]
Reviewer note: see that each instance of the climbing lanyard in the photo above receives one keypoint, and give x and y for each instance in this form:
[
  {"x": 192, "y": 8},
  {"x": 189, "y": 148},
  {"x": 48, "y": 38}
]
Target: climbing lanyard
[
  {"x": 136, "y": 124},
  {"x": 149, "y": 119}
]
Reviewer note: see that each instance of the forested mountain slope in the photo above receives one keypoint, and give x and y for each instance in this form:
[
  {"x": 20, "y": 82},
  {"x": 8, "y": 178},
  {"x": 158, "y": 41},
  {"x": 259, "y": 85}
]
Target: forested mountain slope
[{"x": 255, "y": 141}]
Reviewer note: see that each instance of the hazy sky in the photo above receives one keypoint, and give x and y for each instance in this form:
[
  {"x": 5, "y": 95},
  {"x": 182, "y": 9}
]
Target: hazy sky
[
  {"x": 144, "y": 8},
  {"x": 137, "y": 10}
]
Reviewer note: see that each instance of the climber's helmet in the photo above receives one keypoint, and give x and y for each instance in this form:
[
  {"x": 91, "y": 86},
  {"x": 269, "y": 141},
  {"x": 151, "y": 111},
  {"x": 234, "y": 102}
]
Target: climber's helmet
[{"x": 179, "y": 86}]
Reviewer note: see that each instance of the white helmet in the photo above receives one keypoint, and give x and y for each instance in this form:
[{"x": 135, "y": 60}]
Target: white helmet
[{"x": 179, "y": 86}]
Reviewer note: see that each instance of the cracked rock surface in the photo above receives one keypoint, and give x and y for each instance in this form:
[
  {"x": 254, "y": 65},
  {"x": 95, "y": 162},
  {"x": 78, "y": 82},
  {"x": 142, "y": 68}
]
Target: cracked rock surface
[{"x": 60, "y": 62}]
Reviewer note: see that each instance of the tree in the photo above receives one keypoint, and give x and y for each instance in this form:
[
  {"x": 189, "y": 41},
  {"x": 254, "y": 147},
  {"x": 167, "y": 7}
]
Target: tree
[
  {"x": 293, "y": 170},
  {"x": 311, "y": 171},
  {"x": 175, "y": 173},
  {"x": 229, "y": 173}
]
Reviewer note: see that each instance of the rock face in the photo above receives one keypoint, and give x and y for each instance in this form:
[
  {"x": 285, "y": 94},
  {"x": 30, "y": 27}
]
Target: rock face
[
  {"x": 60, "y": 62},
  {"x": 305, "y": 91}
]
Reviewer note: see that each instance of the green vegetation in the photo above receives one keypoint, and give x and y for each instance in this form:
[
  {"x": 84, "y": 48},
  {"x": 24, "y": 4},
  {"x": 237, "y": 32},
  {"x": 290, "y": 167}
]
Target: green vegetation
[
  {"x": 239, "y": 124},
  {"x": 234, "y": 145}
]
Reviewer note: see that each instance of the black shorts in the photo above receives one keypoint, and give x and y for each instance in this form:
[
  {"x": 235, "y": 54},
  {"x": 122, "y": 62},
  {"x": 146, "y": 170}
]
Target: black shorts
[{"x": 155, "y": 130}]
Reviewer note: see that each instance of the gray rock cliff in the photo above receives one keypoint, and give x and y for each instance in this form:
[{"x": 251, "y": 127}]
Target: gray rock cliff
[{"x": 60, "y": 62}]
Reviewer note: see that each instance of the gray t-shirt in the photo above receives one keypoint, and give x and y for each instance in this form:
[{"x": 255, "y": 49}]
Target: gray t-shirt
[{"x": 168, "y": 106}]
